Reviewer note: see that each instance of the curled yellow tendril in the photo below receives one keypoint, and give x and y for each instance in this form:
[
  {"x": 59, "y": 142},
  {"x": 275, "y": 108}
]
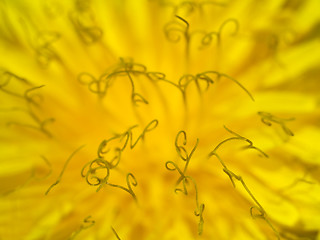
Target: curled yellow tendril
[
  {"x": 189, "y": 7},
  {"x": 97, "y": 166},
  {"x": 41, "y": 42},
  {"x": 175, "y": 30},
  {"x": 101, "y": 85},
  {"x": 63, "y": 169},
  {"x": 98, "y": 171},
  {"x": 233, "y": 176},
  {"x": 202, "y": 81},
  {"x": 131, "y": 181},
  {"x": 208, "y": 78},
  {"x": 83, "y": 20},
  {"x": 269, "y": 119},
  {"x": 30, "y": 99},
  {"x": 180, "y": 143},
  {"x": 87, "y": 223},
  {"x": 208, "y": 37},
  {"x": 41, "y": 124},
  {"x": 6, "y": 78}
]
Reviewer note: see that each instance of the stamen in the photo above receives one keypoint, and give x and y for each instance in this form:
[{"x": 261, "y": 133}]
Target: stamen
[
  {"x": 208, "y": 37},
  {"x": 115, "y": 233},
  {"x": 262, "y": 213},
  {"x": 87, "y": 223},
  {"x": 41, "y": 42},
  {"x": 174, "y": 30},
  {"x": 171, "y": 166},
  {"x": 83, "y": 20},
  {"x": 102, "y": 166},
  {"x": 63, "y": 169},
  {"x": 268, "y": 119},
  {"x": 131, "y": 180}
]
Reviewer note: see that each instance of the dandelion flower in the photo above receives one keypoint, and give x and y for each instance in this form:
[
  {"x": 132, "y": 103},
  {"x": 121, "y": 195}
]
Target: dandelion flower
[{"x": 159, "y": 119}]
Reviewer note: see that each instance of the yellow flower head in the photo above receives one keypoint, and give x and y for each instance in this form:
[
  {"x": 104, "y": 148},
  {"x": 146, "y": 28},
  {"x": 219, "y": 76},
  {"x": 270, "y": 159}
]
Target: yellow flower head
[{"x": 159, "y": 119}]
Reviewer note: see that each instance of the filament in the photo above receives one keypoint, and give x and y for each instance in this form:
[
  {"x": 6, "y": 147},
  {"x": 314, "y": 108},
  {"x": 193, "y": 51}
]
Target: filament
[
  {"x": 268, "y": 119},
  {"x": 63, "y": 169},
  {"x": 115, "y": 233},
  {"x": 87, "y": 223},
  {"x": 172, "y": 166},
  {"x": 232, "y": 176}
]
